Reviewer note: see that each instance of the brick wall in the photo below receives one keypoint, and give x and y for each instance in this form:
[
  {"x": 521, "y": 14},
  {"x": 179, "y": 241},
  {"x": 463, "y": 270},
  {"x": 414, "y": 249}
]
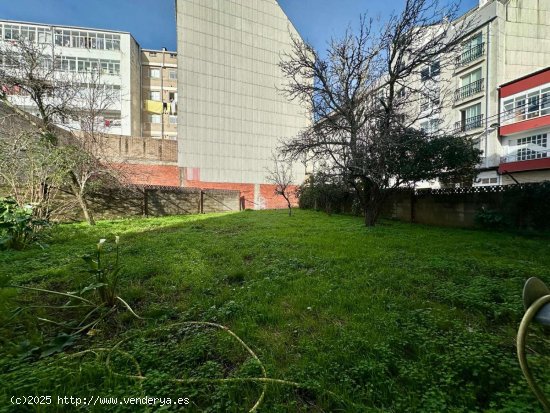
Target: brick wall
[
  {"x": 148, "y": 174},
  {"x": 132, "y": 149}
]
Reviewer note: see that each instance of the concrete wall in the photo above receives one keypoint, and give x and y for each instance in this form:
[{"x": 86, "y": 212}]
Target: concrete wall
[
  {"x": 459, "y": 207},
  {"x": 147, "y": 201}
]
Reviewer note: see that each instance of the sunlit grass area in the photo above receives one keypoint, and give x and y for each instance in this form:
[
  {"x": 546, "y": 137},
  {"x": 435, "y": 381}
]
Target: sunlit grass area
[{"x": 397, "y": 318}]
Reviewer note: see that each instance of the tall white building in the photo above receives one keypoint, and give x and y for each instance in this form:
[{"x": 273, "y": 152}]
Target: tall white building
[
  {"x": 78, "y": 50},
  {"x": 231, "y": 114},
  {"x": 506, "y": 40}
]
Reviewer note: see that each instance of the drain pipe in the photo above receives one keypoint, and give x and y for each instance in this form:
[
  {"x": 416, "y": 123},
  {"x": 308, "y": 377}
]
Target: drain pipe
[{"x": 487, "y": 95}]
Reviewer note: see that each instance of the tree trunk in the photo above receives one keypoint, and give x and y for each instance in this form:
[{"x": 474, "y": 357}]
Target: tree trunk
[
  {"x": 87, "y": 214},
  {"x": 289, "y": 208},
  {"x": 370, "y": 216},
  {"x": 373, "y": 203}
]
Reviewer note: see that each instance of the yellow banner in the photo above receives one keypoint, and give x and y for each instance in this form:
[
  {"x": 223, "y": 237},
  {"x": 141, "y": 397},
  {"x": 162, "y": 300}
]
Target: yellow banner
[{"x": 153, "y": 106}]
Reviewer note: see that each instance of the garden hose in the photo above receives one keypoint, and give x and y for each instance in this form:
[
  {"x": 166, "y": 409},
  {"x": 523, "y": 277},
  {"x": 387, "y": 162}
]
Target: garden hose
[{"x": 530, "y": 313}]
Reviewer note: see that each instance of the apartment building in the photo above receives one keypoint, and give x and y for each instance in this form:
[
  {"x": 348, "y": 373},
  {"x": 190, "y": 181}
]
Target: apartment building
[
  {"x": 159, "y": 94},
  {"x": 77, "y": 50},
  {"x": 231, "y": 115},
  {"x": 506, "y": 40},
  {"x": 525, "y": 128}
]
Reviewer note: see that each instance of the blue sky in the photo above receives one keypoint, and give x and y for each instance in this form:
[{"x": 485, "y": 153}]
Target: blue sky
[{"x": 152, "y": 22}]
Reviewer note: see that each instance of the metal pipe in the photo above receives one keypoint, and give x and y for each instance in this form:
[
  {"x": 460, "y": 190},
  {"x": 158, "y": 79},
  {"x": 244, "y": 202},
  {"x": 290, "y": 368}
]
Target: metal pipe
[{"x": 522, "y": 357}]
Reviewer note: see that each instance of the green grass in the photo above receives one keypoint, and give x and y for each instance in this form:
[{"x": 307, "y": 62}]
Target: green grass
[{"x": 395, "y": 318}]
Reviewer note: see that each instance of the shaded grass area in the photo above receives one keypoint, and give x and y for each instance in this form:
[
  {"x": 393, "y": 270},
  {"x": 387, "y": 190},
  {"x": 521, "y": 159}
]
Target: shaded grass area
[{"x": 397, "y": 318}]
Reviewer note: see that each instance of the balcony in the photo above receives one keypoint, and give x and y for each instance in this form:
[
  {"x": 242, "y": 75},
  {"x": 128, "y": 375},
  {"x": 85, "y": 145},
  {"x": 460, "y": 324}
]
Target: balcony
[
  {"x": 525, "y": 160},
  {"x": 469, "y": 90},
  {"x": 469, "y": 124},
  {"x": 470, "y": 55},
  {"x": 525, "y": 155}
]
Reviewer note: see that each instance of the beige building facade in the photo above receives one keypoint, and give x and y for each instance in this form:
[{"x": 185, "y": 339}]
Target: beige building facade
[
  {"x": 159, "y": 94},
  {"x": 231, "y": 114}
]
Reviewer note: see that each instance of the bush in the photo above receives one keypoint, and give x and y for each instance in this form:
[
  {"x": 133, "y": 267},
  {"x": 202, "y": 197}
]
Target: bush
[
  {"x": 489, "y": 218},
  {"x": 18, "y": 227},
  {"x": 325, "y": 193},
  {"x": 526, "y": 206},
  {"x": 520, "y": 207}
]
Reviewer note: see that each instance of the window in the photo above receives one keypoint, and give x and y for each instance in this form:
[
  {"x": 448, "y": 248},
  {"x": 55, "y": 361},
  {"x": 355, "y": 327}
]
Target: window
[
  {"x": 68, "y": 64},
  {"x": 84, "y": 39},
  {"x": 430, "y": 126},
  {"x": 44, "y": 35},
  {"x": 508, "y": 113},
  {"x": 489, "y": 181},
  {"x": 471, "y": 84},
  {"x": 471, "y": 77},
  {"x": 173, "y": 74},
  {"x": 11, "y": 32},
  {"x": 83, "y": 64},
  {"x": 173, "y": 120},
  {"x": 28, "y": 33},
  {"x": 153, "y": 54},
  {"x": 532, "y": 147},
  {"x": 173, "y": 55},
  {"x": 425, "y": 74},
  {"x": 472, "y": 49},
  {"x": 533, "y": 105},
  {"x": 435, "y": 69},
  {"x": 471, "y": 118},
  {"x": 401, "y": 93},
  {"x": 473, "y": 111},
  {"x": 100, "y": 41},
  {"x": 109, "y": 44},
  {"x": 116, "y": 42},
  {"x": 526, "y": 105},
  {"x": 431, "y": 71},
  {"x": 154, "y": 118},
  {"x": 155, "y": 95},
  {"x": 545, "y": 102},
  {"x": 430, "y": 100},
  {"x": 154, "y": 73}
]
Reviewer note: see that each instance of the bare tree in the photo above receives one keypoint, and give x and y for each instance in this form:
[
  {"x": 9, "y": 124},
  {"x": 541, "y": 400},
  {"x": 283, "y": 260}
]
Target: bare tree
[
  {"x": 73, "y": 105},
  {"x": 88, "y": 150},
  {"x": 282, "y": 177},
  {"x": 29, "y": 69},
  {"x": 361, "y": 95},
  {"x": 31, "y": 168}
]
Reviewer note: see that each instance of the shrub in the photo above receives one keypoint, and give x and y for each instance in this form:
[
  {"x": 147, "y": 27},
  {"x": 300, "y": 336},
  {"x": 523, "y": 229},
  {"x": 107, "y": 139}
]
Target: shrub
[
  {"x": 18, "y": 227},
  {"x": 489, "y": 218},
  {"x": 326, "y": 193}
]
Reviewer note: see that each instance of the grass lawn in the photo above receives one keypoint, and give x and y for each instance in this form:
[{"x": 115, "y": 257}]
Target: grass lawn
[{"x": 395, "y": 318}]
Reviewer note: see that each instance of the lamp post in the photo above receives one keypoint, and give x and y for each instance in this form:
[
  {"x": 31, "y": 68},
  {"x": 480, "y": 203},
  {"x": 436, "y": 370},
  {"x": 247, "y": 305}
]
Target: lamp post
[{"x": 536, "y": 301}]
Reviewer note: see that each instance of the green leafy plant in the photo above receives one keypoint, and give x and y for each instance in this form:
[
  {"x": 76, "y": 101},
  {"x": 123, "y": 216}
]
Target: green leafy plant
[
  {"x": 98, "y": 300},
  {"x": 18, "y": 227},
  {"x": 489, "y": 218},
  {"x": 105, "y": 275}
]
